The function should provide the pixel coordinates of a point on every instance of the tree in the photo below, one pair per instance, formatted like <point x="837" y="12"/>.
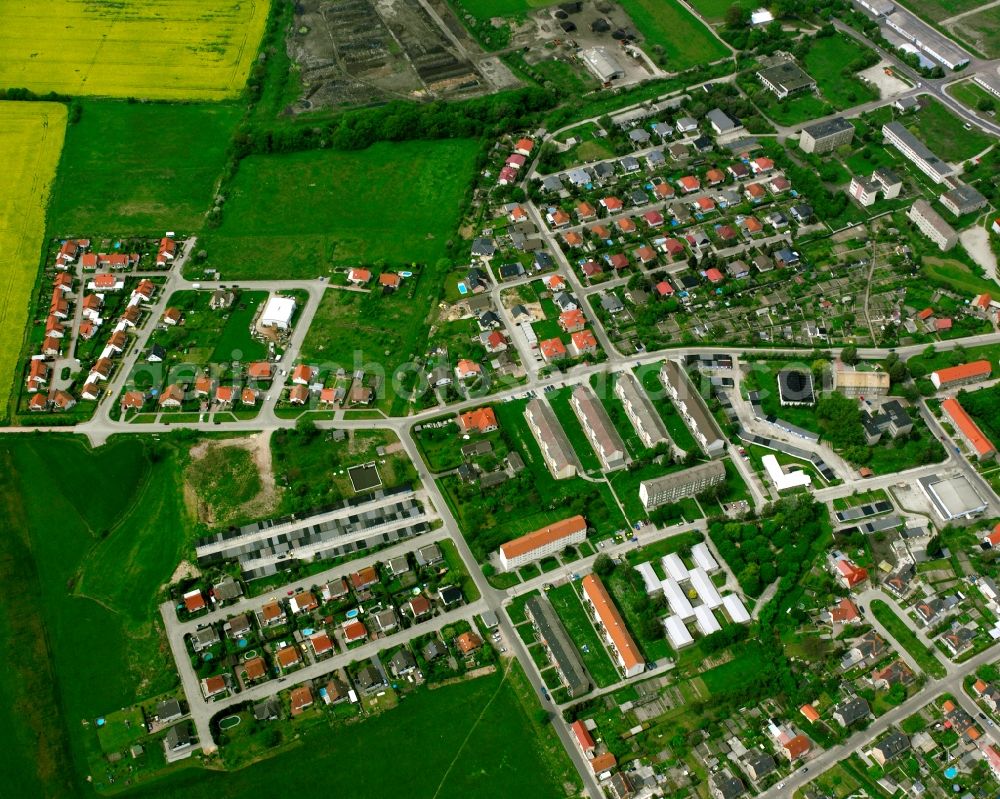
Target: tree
<point x="849" y="355"/>
<point x="736" y="16"/>
<point x="603" y="565"/>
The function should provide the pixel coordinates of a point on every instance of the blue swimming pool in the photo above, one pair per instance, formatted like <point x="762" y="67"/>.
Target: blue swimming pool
<point x="352" y="613"/>
<point x="951" y="772"/>
<point x="307" y="631"/>
<point x="463" y="289"/>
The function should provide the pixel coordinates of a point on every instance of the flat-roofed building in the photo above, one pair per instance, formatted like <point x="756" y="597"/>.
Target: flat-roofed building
<point x="678" y="485"/>
<point x="786" y="78"/>
<point x="853" y="382"/>
<point x="639" y="409"/>
<point x="964" y="373"/>
<point x="560" y="649"/>
<point x="917" y="152"/>
<point x="924" y="37"/>
<point x="963" y="199"/>
<point x="693" y="408"/>
<point x="611" y="626"/>
<point x="952" y="497"/>
<point x="546" y="541"/>
<point x="677" y="632"/>
<point x="932" y="225"/>
<point x="556" y="450"/>
<point x="968" y="430"/>
<point x="823" y="137"/>
<point x="598" y="428"/>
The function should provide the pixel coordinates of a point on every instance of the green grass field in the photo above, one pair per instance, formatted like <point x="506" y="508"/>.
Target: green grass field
<point x="375" y="332"/>
<point x="299" y="215"/>
<point x="971" y="94"/>
<point x="825" y="61"/>
<point x="955" y="275"/>
<point x="715" y="10"/>
<point x="475" y="733"/>
<point x="684" y="39"/>
<point x="82" y="570"/>
<point x="487" y="9"/>
<point x="944" y="133"/>
<point x="160" y="176"/>
<point x="982" y="31"/>
<point x="937" y="10"/>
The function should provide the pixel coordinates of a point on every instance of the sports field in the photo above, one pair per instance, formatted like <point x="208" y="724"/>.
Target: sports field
<point x="31" y="137"/>
<point x="686" y="41"/>
<point x="297" y="215"/>
<point x="158" y="177"/>
<point x="162" y="49"/>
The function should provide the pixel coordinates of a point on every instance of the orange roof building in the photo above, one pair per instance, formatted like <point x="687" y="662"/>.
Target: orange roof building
<point x="481" y="420"/>
<point x="809" y="712"/>
<point x="960" y="375"/>
<point x="288" y="656"/>
<point x="968" y="430"/>
<point x="468" y="642"/>
<point x="583" y="737"/>
<point x="301" y="698"/>
<point x="616" y="635"/>
<point x="603" y="762"/>
<point x="545" y="541"/>
<point x="797" y="747"/>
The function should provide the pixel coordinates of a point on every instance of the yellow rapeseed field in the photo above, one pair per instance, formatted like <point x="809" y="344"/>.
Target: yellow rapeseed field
<point x="156" y="49"/>
<point x="31" y="138"/>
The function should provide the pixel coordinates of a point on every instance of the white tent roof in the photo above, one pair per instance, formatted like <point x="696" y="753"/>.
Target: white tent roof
<point x="734" y="607"/>
<point x="706" y="590"/>
<point x="649" y="577"/>
<point x="703" y="557"/>
<point x="677" y="599"/>
<point x="677" y="632"/>
<point x="674" y="567"/>
<point x="707" y="622"/>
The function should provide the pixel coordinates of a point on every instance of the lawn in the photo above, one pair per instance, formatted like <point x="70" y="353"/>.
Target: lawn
<point x="982" y="31"/>
<point x="581" y="630"/>
<point x="971" y="94"/>
<point x="380" y="333"/>
<point x="715" y="10"/>
<point x="31" y="137"/>
<point x="484" y="732"/>
<point x="825" y="62"/>
<point x="683" y="38"/>
<point x="945" y="134"/>
<point x="224" y="480"/>
<point x="167" y="50"/>
<point x="487" y="9"/>
<point x="937" y="10"/>
<point x="570" y="423"/>
<point x="83" y="570"/>
<point x="312" y="467"/>
<point x="679" y="433"/>
<point x="159" y="177"/>
<point x="211" y="336"/>
<point x="735" y="675"/>
<point x="301" y="214"/>
<point x="955" y="275"/>
<point x="905" y="637"/>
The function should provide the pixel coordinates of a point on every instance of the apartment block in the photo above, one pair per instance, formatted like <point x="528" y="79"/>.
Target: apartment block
<point x="693" y="409"/>
<point x="598" y="428"/>
<point x="679" y="485"/>
<point x="916" y="151"/>
<point x="640" y="411"/>
<point x="556" y="450"/>
<point x="932" y="225"/>
<point x="824" y="137"/>
<point x="541" y="543"/>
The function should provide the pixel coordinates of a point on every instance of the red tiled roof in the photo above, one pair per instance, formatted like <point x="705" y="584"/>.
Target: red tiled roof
<point x="970" y="430"/>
